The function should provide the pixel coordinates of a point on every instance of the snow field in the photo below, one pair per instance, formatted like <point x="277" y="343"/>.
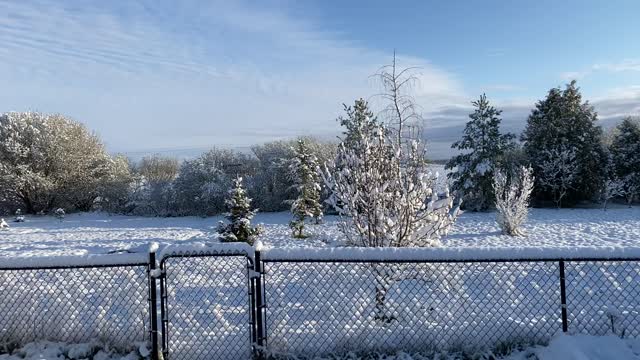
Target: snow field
<point x="322" y="308"/>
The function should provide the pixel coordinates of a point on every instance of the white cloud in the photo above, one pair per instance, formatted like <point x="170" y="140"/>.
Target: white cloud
<point x="625" y="65"/>
<point x="191" y="74"/>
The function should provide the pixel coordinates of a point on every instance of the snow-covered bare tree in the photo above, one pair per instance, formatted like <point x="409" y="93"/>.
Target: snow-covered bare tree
<point x="239" y="216"/>
<point x="155" y="193"/>
<point x="512" y="199"/>
<point x="625" y="156"/>
<point x="483" y="147"/>
<point x="401" y="112"/>
<point x="611" y="188"/>
<point x="558" y="172"/>
<point x="49" y="161"/>
<point x="304" y="172"/>
<point x="202" y="183"/>
<point x="385" y="195"/>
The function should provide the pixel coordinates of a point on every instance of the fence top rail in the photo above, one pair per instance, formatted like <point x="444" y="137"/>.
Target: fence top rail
<point x="213" y="249"/>
<point x="352" y="254"/>
<point x="73" y="261"/>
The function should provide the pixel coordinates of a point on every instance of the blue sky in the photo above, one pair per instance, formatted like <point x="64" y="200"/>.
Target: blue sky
<point x="180" y="77"/>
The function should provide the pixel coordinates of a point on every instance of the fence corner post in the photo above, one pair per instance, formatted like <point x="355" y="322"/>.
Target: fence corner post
<point x="153" y="306"/>
<point x="563" y="297"/>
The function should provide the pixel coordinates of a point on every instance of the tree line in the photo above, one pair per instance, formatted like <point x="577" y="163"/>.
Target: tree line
<point x="572" y="159"/>
<point x="50" y="161"/>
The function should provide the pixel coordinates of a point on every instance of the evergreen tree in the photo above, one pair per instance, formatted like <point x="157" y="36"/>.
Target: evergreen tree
<point x="562" y="121"/>
<point x="483" y="146"/>
<point x="625" y="156"/>
<point x="304" y="170"/>
<point x="239" y="216"/>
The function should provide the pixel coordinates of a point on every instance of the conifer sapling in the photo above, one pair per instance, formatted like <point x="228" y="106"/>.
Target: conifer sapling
<point x="304" y="171"/>
<point x="239" y="215"/>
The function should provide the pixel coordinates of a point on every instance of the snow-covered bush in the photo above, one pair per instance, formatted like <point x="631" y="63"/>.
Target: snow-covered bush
<point x="59" y="213"/>
<point x="19" y="217"/>
<point x="3" y="224"/>
<point x="384" y="194"/>
<point x="512" y="199"/>
<point x="483" y="147"/>
<point x="271" y="186"/>
<point x="153" y="192"/>
<point x="239" y="216"/>
<point x="304" y="172"/>
<point x="558" y="172"/>
<point x="611" y="188"/>
<point x="49" y="161"/>
<point x="202" y="183"/>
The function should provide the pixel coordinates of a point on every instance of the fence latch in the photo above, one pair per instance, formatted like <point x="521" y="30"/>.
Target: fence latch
<point x="156" y="273"/>
<point x="254" y="274"/>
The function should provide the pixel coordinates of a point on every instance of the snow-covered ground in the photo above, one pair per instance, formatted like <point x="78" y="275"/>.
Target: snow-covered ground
<point x="88" y="233"/>
<point x="562" y="347"/>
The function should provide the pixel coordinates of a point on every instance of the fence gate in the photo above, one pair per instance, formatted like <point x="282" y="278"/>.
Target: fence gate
<point x="206" y="304"/>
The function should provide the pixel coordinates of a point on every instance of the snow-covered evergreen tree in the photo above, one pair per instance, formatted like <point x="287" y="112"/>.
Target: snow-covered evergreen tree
<point x="385" y="196"/>
<point x="482" y="146"/>
<point x="558" y="170"/>
<point x="304" y="171"/>
<point x="239" y="216"/>
<point x="562" y="119"/>
<point x="512" y="199"/>
<point x="625" y="157"/>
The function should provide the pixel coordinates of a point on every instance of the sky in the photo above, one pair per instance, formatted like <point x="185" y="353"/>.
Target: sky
<point x="179" y="77"/>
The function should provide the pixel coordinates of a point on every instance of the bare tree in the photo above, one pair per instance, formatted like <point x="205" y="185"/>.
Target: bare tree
<point x="401" y="112"/>
<point x="512" y="199"/>
<point x="611" y="188"/>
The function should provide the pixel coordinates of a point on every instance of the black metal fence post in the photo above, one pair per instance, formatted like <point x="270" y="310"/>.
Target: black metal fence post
<point x="153" y="306"/>
<point x="261" y="340"/>
<point x="563" y="297"/>
<point x="163" y="310"/>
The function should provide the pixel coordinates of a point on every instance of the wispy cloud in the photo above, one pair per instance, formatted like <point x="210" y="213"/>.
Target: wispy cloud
<point x="625" y="65"/>
<point x="146" y="74"/>
<point x="152" y="74"/>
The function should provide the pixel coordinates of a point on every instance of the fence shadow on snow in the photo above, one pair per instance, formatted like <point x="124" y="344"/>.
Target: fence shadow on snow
<point x="233" y="301"/>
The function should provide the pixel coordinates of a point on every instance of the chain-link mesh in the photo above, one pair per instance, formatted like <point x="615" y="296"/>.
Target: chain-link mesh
<point x="318" y="308"/>
<point x="603" y="297"/>
<point x="208" y="313"/>
<point x="74" y="305"/>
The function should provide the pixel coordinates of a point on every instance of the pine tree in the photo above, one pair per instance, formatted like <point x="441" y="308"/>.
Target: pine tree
<point x="563" y="121"/>
<point x="483" y="147"/>
<point x="239" y="228"/>
<point x="625" y="156"/>
<point x="304" y="171"/>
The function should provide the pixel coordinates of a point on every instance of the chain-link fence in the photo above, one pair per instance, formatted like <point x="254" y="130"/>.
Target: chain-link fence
<point x="207" y="307"/>
<point x="231" y="303"/>
<point x="320" y="307"/>
<point x="75" y="304"/>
